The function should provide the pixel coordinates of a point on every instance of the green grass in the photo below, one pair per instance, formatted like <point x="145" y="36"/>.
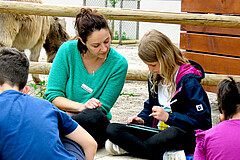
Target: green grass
<point x="41" y="88"/>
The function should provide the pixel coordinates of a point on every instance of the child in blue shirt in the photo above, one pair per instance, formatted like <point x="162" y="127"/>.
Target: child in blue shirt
<point x="30" y="128"/>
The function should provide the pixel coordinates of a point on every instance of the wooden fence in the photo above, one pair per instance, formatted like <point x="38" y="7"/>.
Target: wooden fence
<point x="123" y="14"/>
<point x="132" y="74"/>
<point x="217" y="49"/>
<point x="207" y="20"/>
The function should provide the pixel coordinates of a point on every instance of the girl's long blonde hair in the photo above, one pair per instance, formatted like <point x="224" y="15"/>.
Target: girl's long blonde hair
<point x="155" y="46"/>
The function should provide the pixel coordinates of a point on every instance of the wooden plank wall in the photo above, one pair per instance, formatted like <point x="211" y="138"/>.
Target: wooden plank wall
<point x="216" y="49"/>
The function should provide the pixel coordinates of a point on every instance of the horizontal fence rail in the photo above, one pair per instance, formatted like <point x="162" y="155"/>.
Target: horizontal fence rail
<point x="123" y="14"/>
<point x="127" y="15"/>
<point x="132" y="74"/>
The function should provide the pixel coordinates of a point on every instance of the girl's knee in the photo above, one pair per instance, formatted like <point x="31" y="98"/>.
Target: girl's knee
<point x="91" y="116"/>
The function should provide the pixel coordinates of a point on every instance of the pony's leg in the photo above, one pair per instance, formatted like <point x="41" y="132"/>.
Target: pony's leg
<point x="35" y="53"/>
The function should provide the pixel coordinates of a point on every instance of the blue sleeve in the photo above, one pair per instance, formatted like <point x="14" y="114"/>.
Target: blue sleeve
<point x="66" y="124"/>
<point x="144" y="114"/>
<point x="194" y="111"/>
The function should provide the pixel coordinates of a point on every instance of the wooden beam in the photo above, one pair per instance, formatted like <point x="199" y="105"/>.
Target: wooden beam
<point x="123" y="14"/>
<point x="39" y="67"/>
<point x="217" y="44"/>
<point x="215" y="30"/>
<point x="211" y="6"/>
<point x="137" y="75"/>
<point x="132" y="74"/>
<point x="125" y="42"/>
<point x="217" y="64"/>
<point x="214" y="79"/>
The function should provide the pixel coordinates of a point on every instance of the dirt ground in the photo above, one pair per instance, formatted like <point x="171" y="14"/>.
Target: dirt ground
<point x="134" y="93"/>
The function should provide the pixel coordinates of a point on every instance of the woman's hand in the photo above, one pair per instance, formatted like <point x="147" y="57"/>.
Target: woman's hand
<point x="159" y="113"/>
<point x="92" y="104"/>
<point x="136" y="120"/>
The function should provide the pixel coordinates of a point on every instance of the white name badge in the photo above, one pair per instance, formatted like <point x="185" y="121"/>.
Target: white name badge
<point x="86" y="88"/>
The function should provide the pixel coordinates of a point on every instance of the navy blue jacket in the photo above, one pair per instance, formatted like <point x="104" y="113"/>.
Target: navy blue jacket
<point x="191" y="109"/>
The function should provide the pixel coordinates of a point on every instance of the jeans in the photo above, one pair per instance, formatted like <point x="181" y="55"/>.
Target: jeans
<point x="73" y="148"/>
<point x="145" y="144"/>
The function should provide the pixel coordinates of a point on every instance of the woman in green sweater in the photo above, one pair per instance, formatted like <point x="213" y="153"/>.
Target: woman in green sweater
<point x="87" y="75"/>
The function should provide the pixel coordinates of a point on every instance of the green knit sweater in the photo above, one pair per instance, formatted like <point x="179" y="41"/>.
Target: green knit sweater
<point x="68" y="74"/>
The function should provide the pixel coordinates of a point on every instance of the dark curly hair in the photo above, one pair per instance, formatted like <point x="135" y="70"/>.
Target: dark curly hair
<point x="88" y="21"/>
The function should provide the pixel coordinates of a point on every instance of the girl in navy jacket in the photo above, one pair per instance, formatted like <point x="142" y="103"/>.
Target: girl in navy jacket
<point x="177" y="103"/>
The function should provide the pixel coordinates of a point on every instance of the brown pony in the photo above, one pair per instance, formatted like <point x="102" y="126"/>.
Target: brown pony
<point x="32" y="32"/>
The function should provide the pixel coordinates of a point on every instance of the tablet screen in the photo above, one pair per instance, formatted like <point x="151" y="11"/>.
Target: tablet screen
<point x="142" y="127"/>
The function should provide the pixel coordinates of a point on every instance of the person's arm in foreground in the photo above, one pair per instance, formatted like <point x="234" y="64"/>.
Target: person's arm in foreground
<point x="85" y="140"/>
<point x="75" y="107"/>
